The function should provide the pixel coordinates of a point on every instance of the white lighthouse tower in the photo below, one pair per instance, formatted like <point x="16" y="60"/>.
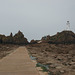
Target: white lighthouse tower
<point x="67" y="26"/>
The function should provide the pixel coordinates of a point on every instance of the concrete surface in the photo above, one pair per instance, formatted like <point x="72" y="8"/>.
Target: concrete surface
<point x="18" y="63"/>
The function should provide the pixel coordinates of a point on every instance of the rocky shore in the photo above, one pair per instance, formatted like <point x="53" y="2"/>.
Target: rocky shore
<point x="60" y="58"/>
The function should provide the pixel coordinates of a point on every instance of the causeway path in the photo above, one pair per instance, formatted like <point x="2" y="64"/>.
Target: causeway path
<point x="18" y="63"/>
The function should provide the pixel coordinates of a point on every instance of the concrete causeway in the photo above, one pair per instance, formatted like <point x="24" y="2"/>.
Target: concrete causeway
<point x="18" y="63"/>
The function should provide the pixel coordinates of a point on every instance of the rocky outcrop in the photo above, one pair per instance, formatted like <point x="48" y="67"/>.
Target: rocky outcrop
<point x="18" y="38"/>
<point x="64" y="37"/>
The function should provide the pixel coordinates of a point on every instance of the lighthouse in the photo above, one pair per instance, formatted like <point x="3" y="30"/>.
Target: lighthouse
<point x="68" y="26"/>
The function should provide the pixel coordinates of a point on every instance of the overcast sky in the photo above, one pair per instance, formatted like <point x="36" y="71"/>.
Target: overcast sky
<point x="36" y="18"/>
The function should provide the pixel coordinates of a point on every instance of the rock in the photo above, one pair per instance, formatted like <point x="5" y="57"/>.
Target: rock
<point x="52" y="66"/>
<point x="72" y="63"/>
<point x="73" y="67"/>
<point x="62" y="71"/>
<point x="7" y="47"/>
<point x="58" y="67"/>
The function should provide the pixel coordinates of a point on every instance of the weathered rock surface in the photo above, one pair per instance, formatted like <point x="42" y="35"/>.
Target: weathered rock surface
<point x="60" y="58"/>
